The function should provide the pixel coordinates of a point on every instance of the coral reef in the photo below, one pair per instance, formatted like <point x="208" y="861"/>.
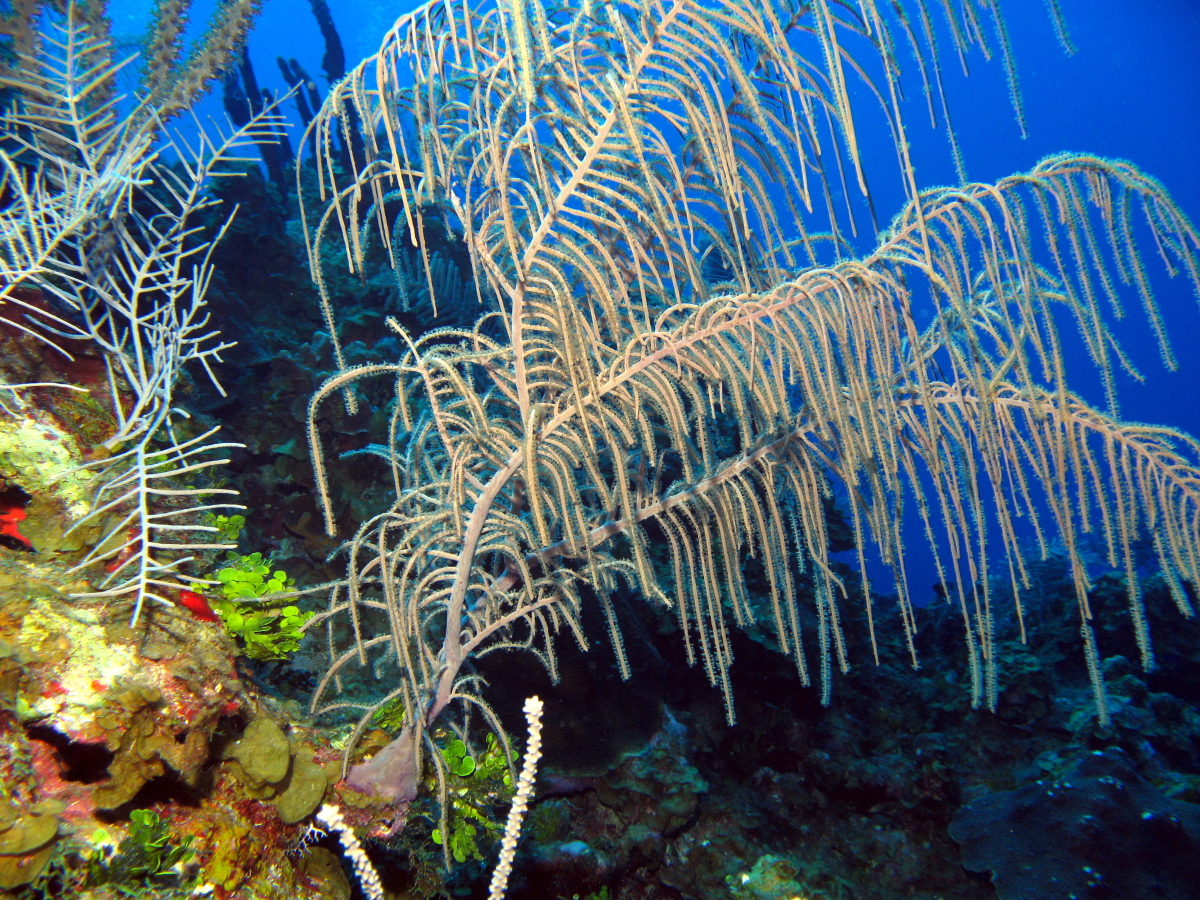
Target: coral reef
<point x="1097" y="830"/>
<point x="175" y="758"/>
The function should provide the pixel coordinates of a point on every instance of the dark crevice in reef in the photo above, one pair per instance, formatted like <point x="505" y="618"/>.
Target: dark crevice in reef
<point x="82" y="762"/>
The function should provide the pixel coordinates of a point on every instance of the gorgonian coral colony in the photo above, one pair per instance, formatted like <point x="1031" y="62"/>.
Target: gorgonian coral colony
<point x="100" y="247"/>
<point x="601" y="161"/>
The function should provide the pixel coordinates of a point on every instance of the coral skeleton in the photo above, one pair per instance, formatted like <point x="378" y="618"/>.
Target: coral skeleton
<point x="331" y="817"/>
<point x="520" y="804"/>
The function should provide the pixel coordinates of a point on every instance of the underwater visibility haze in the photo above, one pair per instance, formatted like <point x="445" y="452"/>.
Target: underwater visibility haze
<point x="649" y="449"/>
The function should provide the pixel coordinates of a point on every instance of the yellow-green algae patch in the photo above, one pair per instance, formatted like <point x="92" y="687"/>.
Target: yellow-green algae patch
<point x="37" y="454"/>
<point x="94" y="662"/>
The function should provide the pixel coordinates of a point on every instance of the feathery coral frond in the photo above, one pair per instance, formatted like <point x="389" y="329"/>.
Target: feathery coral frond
<point x="103" y="228"/>
<point x="594" y="157"/>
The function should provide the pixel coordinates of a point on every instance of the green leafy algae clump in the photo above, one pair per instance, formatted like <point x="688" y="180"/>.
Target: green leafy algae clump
<point x="475" y="786"/>
<point x="771" y="878"/>
<point x="390" y="716"/>
<point x="265" y="633"/>
<point x="147" y="857"/>
<point x="229" y="528"/>
<point x="249" y="577"/>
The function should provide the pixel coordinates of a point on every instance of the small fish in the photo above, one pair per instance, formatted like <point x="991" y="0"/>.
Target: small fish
<point x="197" y="606"/>
<point x="8" y="524"/>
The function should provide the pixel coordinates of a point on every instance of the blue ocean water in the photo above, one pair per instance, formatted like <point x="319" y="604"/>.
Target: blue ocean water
<point x="1131" y="91"/>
